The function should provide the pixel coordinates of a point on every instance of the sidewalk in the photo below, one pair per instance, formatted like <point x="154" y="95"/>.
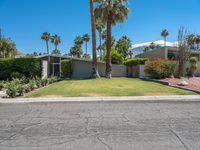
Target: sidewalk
<point x="188" y="98"/>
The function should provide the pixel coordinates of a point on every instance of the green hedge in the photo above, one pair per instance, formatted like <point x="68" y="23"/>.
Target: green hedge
<point x="135" y="61"/>
<point x="66" y="68"/>
<point x="29" y="67"/>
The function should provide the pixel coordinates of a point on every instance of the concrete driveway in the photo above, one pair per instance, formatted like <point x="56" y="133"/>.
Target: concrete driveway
<point x="100" y="126"/>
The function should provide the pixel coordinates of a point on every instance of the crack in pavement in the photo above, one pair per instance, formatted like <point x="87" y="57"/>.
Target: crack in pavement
<point x="179" y="138"/>
<point x="105" y="144"/>
<point x="23" y="129"/>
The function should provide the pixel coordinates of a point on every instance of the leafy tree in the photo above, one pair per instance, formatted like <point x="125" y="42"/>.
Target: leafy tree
<point x="7" y="48"/>
<point x="152" y="46"/>
<point x="35" y="54"/>
<point x="111" y="12"/>
<point x="46" y="37"/>
<point x="116" y="57"/>
<point x="165" y="34"/>
<point x="86" y="39"/>
<point x="56" y="40"/>
<point x="146" y="49"/>
<point x="191" y="39"/>
<point x="123" y="45"/>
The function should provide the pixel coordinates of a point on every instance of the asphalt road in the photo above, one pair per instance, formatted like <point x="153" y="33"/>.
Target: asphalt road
<point x="100" y="126"/>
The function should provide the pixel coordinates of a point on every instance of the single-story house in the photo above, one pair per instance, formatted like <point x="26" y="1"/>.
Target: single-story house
<point x="170" y="53"/>
<point x="81" y="68"/>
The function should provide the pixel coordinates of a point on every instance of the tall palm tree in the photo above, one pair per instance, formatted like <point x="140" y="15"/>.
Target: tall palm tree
<point x="111" y="12"/>
<point x="56" y="40"/>
<point x="86" y="39"/>
<point x="95" y="73"/>
<point x="100" y="26"/>
<point x="46" y="37"/>
<point x="78" y="41"/>
<point x="165" y="34"/>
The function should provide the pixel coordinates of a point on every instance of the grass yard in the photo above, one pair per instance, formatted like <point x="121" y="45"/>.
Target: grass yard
<point x="107" y="87"/>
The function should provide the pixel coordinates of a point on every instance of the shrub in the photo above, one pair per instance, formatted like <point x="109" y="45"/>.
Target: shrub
<point x="193" y="65"/>
<point x="52" y="79"/>
<point x="14" y="88"/>
<point x="66" y="67"/>
<point x="160" y="68"/>
<point x="135" y="61"/>
<point x="32" y="84"/>
<point x="44" y="82"/>
<point x="27" y="88"/>
<point x="29" y="67"/>
<point x="2" y="85"/>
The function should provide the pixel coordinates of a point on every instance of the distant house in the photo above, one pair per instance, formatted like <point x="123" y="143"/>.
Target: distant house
<point x="20" y="55"/>
<point x="169" y="53"/>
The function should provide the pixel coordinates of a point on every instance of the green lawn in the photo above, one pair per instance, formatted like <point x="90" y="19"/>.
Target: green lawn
<point x="107" y="87"/>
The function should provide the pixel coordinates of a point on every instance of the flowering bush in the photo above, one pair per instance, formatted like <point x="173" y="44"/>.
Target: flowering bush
<point x="160" y="68"/>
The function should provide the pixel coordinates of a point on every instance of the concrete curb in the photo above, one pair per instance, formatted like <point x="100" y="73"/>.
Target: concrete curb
<point x="138" y="99"/>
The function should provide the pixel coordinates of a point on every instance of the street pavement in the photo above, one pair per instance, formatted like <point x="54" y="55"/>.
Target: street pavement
<point x="100" y="126"/>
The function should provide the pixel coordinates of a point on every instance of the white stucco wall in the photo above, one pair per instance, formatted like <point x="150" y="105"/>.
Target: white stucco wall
<point x="83" y="69"/>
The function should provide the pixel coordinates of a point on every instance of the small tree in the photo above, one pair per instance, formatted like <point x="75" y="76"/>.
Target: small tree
<point x="184" y="50"/>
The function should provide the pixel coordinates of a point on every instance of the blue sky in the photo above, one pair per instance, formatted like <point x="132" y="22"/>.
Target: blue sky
<point x="24" y="20"/>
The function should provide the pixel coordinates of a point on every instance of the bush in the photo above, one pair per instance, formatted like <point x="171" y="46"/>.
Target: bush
<point x="52" y="79"/>
<point x="29" y="67"/>
<point x="15" y="88"/>
<point x="2" y="85"/>
<point x="116" y="58"/>
<point x="135" y="61"/>
<point x="32" y="84"/>
<point x="66" y="67"/>
<point x="44" y="82"/>
<point x="18" y="87"/>
<point x="193" y="65"/>
<point x="160" y="68"/>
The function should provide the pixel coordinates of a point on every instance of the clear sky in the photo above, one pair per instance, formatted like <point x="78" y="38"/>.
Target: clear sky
<point x="24" y="20"/>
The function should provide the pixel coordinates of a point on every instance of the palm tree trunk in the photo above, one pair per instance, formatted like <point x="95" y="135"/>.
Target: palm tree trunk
<point x="100" y="41"/>
<point x="95" y="73"/>
<point x="109" y="45"/>
<point x="165" y="41"/>
<point x="47" y="47"/>
<point x="56" y="46"/>
<point x="86" y="47"/>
